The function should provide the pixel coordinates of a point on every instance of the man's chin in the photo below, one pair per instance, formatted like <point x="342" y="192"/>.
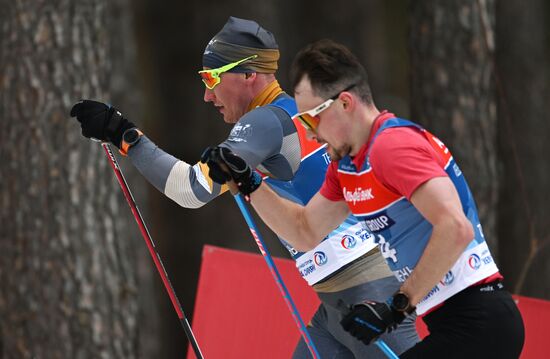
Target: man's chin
<point x="337" y="154"/>
<point x="230" y="120"/>
<point x="227" y="118"/>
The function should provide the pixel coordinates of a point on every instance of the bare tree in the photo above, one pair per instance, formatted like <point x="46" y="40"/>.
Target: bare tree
<point x="451" y="48"/>
<point x="523" y="74"/>
<point x="67" y="282"/>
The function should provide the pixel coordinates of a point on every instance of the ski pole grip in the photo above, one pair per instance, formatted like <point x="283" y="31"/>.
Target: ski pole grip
<point x="233" y="188"/>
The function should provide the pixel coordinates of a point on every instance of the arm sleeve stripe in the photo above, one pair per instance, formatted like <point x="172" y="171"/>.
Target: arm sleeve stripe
<point x="190" y="187"/>
<point x="178" y="187"/>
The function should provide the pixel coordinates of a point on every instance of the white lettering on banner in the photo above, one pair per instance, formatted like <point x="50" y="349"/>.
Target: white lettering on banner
<point x="403" y="273"/>
<point x="326" y="157"/>
<point x="358" y="195"/>
<point x="377" y="224"/>
<point x="387" y="252"/>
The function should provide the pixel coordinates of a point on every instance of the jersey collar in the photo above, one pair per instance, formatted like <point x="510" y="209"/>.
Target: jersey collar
<point x="266" y="96"/>
<point x="359" y="158"/>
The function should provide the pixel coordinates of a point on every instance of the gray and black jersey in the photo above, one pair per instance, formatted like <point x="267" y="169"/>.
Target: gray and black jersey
<point x="269" y="140"/>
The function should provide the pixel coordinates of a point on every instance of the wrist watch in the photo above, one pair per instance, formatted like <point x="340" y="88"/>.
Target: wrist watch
<point x="401" y="303"/>
<point x="129" y="138"/>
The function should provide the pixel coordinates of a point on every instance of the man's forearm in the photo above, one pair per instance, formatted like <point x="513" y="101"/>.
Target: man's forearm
<point x="187" y="185"/>
<point x="287" y="219"/>
<point x="445" y="246"/>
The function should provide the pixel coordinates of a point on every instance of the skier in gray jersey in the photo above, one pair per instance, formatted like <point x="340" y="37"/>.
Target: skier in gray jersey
<point x="239" y="64"/>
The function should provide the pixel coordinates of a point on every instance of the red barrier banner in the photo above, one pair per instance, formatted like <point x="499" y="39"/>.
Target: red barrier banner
<point x="239" y="312"/>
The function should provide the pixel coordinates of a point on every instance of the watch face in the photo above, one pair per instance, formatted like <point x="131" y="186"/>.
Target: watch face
<point x="131" y="136"/>
<point x="400" y="301"/>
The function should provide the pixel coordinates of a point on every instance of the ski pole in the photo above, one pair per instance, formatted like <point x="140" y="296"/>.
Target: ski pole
<point x="386" y="349"/>
<point x="152" y="250"/>
<point x="275" y="273"/>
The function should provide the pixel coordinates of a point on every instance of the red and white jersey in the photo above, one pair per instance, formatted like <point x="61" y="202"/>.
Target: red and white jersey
<point x="384" y="208"/>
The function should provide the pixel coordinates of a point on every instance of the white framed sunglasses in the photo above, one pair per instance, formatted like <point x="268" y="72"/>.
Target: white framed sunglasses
<point x="310" y="119"/>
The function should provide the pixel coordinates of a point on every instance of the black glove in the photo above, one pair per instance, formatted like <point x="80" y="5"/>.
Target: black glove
<point x="100" y="121"/>
<point x="224" y="165"/>
<point x="368" y="320"/>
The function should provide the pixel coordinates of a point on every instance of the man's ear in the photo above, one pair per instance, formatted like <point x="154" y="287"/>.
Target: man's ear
<point x="249" y="75"/>
<point x="347" y="100"/>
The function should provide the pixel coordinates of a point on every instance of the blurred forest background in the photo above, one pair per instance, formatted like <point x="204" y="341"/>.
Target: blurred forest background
<point x="76" y="280"/>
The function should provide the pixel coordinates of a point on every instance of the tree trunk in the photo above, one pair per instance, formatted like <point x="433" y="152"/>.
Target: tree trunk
<point x="451" y="47"/>
<point x="523" y="74"/>
<point x="67" y="270"/>
<point x="375" y="31"/>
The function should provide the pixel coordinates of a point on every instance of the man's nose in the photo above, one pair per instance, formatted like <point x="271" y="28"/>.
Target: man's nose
<point x="310" y="135"/>
<point x="208" y="95"/>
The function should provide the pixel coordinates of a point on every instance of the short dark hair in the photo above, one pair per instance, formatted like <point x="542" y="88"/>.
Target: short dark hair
<point x="330" y="67"/>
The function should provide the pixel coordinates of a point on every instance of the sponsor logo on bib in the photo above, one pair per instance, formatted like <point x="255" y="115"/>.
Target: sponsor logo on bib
<point x="348" y="241"/>
<point x="320" y="258"/>
<point x="474" y="262"/>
